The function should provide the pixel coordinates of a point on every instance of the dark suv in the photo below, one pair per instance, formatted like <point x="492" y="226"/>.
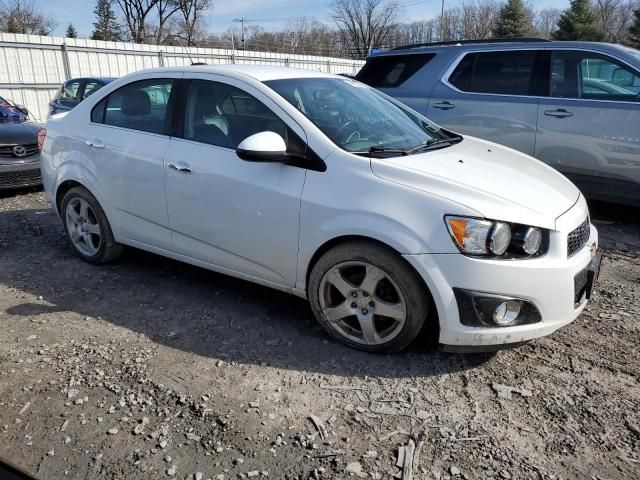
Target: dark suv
<point x="573" y="105"/>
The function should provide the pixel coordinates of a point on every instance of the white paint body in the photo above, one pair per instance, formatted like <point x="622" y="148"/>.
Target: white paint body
<point x="263" y="222"/>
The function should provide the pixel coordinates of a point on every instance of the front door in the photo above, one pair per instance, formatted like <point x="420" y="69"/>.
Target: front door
<point x="238" y="215"/>
<point x="589" y="127"/>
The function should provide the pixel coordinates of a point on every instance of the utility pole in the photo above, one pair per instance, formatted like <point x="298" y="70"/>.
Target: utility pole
<point x="442" y="22"/>
<point x="241" y="20"/>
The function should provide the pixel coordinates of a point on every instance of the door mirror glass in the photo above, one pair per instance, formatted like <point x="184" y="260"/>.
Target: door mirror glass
<point x="263" y="147"/>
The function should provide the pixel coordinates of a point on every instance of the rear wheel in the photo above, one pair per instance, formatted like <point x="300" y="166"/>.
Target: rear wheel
<point x="87" y="227"/>
<point x="367" y="297"/>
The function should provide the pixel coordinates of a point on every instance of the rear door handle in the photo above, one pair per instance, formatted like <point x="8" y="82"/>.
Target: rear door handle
<point x="559" y="113"/>
<point x="180" y="167"/>
<point x="94" y="143"/>
<point x="444" y="105"/>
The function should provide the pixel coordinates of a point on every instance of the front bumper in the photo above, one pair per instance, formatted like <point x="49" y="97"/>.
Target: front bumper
<point x="548" y="282"/>
<point x="23" y="173"/>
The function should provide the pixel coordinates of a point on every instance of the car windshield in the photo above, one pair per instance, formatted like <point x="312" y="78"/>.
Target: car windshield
<point x="358" y="118"/>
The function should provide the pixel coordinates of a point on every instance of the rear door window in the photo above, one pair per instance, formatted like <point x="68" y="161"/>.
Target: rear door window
<point x="503" y="73"/>
<point x="592" y="76"/>
<point x="393" y="70"/>
<point x="138" y="106"/>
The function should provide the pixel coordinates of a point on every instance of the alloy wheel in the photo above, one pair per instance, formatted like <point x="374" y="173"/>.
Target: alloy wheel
<point x="362" y="303"/>
<point x="83" y="227"/>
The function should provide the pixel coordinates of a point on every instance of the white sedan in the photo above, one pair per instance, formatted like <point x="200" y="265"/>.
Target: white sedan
<point x="320" y="186"/>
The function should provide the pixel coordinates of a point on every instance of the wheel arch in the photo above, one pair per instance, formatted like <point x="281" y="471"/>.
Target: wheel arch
<point x="62" y="189"/>
<point x="433" y="319"/>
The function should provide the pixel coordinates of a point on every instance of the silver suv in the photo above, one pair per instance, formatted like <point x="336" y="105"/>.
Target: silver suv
<point x="573" y="105"/>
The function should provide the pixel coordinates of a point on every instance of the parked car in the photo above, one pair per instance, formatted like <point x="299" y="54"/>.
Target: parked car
<point x="19" y="155"/>
<point x="73" y="91"/>
<point x="573" y="105"/>
<point x="323" y="187"/>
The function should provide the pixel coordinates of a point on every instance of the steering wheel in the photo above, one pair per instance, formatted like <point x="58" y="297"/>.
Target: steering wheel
<point x="347" y="131"/>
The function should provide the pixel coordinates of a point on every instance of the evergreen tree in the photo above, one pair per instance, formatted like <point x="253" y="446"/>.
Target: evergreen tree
<point x="513" y="21"/>
<point x="634" y="31"/>
<point x="106" y="26"/>
<point x="578" y="22"/>
<point x="71" y="31"/>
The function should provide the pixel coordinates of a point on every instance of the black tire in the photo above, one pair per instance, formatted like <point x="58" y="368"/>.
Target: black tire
<point x="108" y="249"/>
<point x="417" y="297"/>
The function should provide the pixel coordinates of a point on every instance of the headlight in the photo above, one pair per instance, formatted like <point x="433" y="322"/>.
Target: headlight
<point x="475" y="236"/>
<point x="500" y="238"/>
<point x="470" y="234"/>
<point x="532" y="240"/>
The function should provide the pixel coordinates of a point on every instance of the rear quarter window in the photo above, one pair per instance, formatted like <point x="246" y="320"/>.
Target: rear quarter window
<point x="393" y="70"/>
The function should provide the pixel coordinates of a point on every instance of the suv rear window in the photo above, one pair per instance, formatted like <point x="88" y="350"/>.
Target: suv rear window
<point x="505" y="73"/>
<point x="392" y="70"/>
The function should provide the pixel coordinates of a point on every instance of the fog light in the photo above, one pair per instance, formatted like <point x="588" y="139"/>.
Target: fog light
<point x="507" y="312"/>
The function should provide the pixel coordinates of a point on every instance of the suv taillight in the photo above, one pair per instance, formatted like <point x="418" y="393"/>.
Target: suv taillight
<point x="42" y="134"/>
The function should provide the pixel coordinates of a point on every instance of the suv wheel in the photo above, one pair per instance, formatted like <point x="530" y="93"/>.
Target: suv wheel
<point x="87" y="227"/>
<point x="368" y="298"/>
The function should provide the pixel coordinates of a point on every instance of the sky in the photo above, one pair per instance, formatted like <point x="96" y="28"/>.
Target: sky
<point x="268" y="14"/>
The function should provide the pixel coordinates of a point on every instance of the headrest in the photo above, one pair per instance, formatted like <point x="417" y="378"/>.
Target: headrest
<point x="136" y="102"/>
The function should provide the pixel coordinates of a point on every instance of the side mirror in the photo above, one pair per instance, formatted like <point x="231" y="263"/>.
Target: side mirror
<point x="263" y="147"/>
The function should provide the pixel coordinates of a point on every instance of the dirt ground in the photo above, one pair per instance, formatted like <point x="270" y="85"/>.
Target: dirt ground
<point x="149" y="368"/>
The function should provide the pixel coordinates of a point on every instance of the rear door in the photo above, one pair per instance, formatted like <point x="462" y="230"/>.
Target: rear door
<point x="129" y="136"/>
<point x="589" y="127"/>
<point x="238" y="215"/>
<point x="491" y="95"/>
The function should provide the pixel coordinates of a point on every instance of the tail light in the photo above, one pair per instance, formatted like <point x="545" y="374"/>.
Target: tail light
<point x="42" y="135"/>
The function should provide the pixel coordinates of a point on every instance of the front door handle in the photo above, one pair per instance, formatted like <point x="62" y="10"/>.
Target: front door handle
<point x="94" y="143"/>
<point x="559" y="113"/>
<point x="180" y="167"/>
<point x="444" y="105"/>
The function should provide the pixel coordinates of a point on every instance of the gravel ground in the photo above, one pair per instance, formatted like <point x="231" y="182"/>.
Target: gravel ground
<point x="149" y="368"/>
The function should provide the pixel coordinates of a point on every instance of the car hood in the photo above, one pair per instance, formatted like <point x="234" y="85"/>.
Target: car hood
<point x="22" y="133"/>
<point x="497" y="182"/>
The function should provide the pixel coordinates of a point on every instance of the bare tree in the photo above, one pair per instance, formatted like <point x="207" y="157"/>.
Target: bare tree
<point x="190" y="24"/>
<point x="135" y="14"/>
<point x="478" y="18"/>
<point x="21" y="16"/>
<point x="164" y="10"/>
<point x="364" y="24"/>
<point x="615" y="17"/>
<point x="545" y="21"/>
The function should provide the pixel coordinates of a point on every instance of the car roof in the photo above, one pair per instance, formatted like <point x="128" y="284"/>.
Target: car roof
<point x="262" y="73"/>
<point x="502" y="44"/>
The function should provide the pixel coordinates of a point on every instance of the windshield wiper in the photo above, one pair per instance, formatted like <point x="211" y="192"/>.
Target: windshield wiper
<point x="382" y="149"/>
<point x="433" y="144"/>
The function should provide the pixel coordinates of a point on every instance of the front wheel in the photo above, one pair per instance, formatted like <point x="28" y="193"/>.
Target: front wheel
<point x="87" y="227"/>
<point x="368" y="298"/>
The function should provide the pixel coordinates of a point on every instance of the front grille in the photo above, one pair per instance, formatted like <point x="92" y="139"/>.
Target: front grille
<point x="24" y="152"/>
<point x="578" y="237"/>
<point x="20" y="178"/>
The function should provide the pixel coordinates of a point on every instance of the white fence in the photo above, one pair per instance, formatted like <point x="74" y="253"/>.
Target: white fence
<point x="33" y="67"/>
